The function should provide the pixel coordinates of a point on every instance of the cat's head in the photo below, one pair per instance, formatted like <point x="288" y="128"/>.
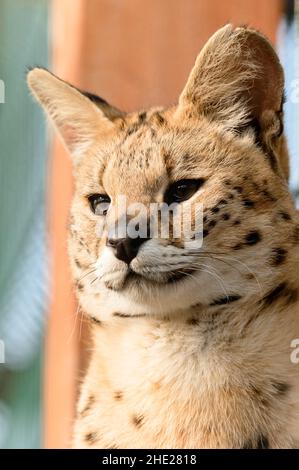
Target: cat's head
<point x="219" y="154"/>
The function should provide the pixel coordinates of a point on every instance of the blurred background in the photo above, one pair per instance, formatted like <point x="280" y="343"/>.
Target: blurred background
<point x="134" y="53"/>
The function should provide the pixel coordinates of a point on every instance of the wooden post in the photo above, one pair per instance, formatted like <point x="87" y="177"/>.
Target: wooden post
<point x="134" y="53"/>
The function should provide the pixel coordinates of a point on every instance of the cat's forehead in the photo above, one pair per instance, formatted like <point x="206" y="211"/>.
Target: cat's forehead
<point x="146" y="152"/>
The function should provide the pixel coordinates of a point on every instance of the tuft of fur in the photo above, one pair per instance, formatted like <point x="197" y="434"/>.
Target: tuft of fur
<point x="194" y="350"/>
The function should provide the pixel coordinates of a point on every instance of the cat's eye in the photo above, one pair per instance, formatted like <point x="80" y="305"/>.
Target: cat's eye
<point x="99" y="203"/>
<point x="182" y="190"/>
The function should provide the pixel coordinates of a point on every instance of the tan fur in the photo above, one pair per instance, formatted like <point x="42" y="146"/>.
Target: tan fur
<point x="203" y="362"/>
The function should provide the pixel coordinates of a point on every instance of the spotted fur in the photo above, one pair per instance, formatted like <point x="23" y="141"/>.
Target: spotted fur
<point x="193" y="351"/>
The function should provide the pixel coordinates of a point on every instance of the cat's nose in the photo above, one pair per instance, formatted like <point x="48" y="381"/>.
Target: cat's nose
<point x="125" y="249"/>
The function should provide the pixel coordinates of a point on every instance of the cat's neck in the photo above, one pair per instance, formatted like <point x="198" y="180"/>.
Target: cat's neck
<point x="227" y="336"/>
<point x="201" y="378"/>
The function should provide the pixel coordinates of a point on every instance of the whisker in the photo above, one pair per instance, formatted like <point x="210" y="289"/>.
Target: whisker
<point x="74" y="325"/>
<point x="87" y="274"/>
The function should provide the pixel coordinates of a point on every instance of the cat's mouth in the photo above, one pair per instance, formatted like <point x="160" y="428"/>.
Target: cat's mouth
<point x="166" y="278"/>
<point x="135" y="279"/>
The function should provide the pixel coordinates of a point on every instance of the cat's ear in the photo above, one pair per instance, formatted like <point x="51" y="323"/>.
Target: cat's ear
<point x="79" y="117"/>
<point x="237" y="79"/>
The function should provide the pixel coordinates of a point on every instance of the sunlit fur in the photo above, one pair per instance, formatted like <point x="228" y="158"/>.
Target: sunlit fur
<point x="203" y="361"/>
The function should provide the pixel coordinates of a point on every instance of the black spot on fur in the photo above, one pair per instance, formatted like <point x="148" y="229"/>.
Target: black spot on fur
<point x="219" y="205"/>
<point x="259" y="396"/>
<point x="192" y="321"/>
<point x="222" y="202"/>
<point x="142" y="117"/>
<point x="160" y="119"/>
<point x="118" y="395"/>
<point x="153" y="132"/>
<point x="260" y="442"/>
<point x="95" y="321"/>
<point x="248" y="203"/>
<point x="239" y="189"/>
<point x="132" y="129"/>
<point x="296" y="234"/>
<point x="226" y="300"/>
<point x="269" y="196"/>
<point x="125" y="315"/>
<point x="91" y="437"/>
<point x="88" y="405"/>
<point x="205" y="233"/>
<point x="278" y="256"/>
<point x="138" y="420"/>
<point x="281" y="292"/>
<point x="226" y="216"/>
<point x="285" y="216"/>
<point x="237" y="247"/>
<point x="212" y="223"/>
<point x="253" y="237"/>
<point x="237" y="222"/>
<point x="281" y="388"/>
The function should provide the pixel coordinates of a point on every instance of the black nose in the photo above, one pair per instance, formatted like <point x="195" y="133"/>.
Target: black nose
<point x="125" y="249"/>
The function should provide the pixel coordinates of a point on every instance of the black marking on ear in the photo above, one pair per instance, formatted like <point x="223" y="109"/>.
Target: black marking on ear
<point x="281" y="292"/>
<point x="95" y="98"/>
<point x="268" y="152"/>
<point x="278" y="256"/>
<point x="226" y="300"/>
<point x="138" y="420"/>
<point x="272" y="158"/>
<point x="253" y="237"/>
